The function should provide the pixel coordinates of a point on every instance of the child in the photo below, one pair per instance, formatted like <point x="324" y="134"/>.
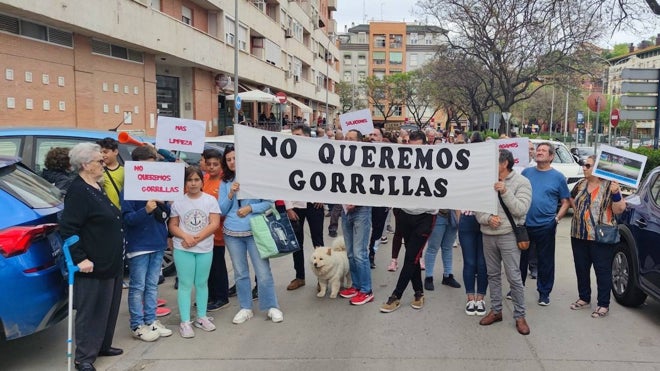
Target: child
<point x="193" y="221"/>
<point x="146" y="240"/>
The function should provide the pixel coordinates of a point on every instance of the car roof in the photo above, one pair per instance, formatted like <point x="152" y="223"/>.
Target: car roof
<point x="68" y="132"/>
<point x="221" y="138"/>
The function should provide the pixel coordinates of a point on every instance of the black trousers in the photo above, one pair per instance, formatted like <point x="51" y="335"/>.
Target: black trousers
<point x="416" y="231"/>
<point x="378" y="218"/>
<point x="218" y="279"/>
<point x="97" y="304"/>
<point x="314" y="217"/>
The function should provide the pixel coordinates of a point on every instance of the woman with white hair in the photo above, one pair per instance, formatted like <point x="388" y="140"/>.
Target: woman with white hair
<point x="90" y="214"/>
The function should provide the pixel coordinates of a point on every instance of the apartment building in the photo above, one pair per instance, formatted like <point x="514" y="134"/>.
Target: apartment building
<point x="384" y="48"/>
<point x="103" y="64"/>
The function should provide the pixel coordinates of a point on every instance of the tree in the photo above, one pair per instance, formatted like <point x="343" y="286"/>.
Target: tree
<point x="386" y="95"/>
<point x="517" y="42"/>
<point x="421" y="95"/>
<point x="349" y="96"/>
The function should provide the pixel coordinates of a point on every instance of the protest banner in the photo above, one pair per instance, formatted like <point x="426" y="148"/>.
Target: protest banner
<point x="146" y="180"/>
<point x="622" y="166"/>
<point x="178" y="134"/>
<point x="519" y="148"/>
<point x="357" y="120"/>
<point x="283" y="167"/>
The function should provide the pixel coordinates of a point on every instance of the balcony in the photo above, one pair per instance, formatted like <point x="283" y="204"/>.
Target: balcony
<point x="332" y="5"/>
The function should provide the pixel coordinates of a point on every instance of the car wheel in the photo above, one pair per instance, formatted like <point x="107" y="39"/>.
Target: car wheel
<point x="624" y="281"/>
<point x="168" y="263"/>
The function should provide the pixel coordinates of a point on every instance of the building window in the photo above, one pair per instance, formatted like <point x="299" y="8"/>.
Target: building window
<point x="413" y="60"/>
<point x="155" y="4"/>
<point x="396" y="58"/>
<point x="379" y="41"/>
<point x="35" y="31"/>
<point x="413" y="38"/>
<point x="362" y="60"/>
<point x="347" y="59"/>
<point x="348" y="76"/>
<point x="362" y="38"/>
<point x="242" y="37"/>
<point x="116" y="51"/>
<point x="396" y="111"/>
<point x="378" y="57"/>
<point x="428" y="39"/>
<point x="362" y="75"/>
<point x="186" y="15"/>
<point x="396" y="41"/>
<point x="379" y="74"/>
<point x="229" y="31"/>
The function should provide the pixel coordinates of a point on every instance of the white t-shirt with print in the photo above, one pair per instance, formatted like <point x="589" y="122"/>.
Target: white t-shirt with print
<point x="193" y="217"/>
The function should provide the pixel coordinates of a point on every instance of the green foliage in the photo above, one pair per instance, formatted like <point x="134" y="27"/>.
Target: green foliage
<point x="652" y="155"/>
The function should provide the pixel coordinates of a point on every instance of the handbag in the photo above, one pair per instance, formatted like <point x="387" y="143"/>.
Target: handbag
<point x="604" y="233"/>
<point x="522" y="238"/>
<point x="273" y="234"/>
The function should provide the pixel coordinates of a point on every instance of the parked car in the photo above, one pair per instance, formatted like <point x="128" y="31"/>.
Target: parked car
<point x="636" y="264"/>
<point x="581" y="153"/>
<point x="564" y="162"/>
<point x="221" y="141"/>
<point x="621" y="142"/>
<point x="34" y="290"/>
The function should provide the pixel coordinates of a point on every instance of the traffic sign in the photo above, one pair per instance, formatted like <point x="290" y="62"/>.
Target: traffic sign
<point x="642" y="115"/>
<point x="237" y="102"/>
<point x="281" y="97"/>
<point x="614" y="117"/>
<point x="639" y="87"/>
<point x="639" y="101"/>
<point x="640" y="74"/>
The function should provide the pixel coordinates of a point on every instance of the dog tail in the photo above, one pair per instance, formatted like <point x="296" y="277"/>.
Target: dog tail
<point x="338" y="244"/>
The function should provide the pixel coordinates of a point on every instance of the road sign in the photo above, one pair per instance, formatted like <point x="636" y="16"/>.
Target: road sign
<point x="281" y="97"/>
<point x="639" y="87"/>
<point x="640" y="74"/>
<point x="639" y="101"/>
<point x="596" y="102"/>
<point x="642" y="115"/>
<point x="614" y="117"/>
<point x="237" y="102"/>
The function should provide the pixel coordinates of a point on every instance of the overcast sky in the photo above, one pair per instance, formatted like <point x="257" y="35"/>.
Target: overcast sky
<point x="361" y="11"/>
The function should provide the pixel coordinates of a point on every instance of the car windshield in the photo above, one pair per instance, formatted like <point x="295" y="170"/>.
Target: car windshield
<point x="562" y="155"/>
<point x="28" y="187"/>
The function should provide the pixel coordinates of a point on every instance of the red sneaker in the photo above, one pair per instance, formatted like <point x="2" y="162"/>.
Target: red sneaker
<point x="162" y="311"/>
<point x="161" y="302"/>
<point x="362" y="298"/>
<point x="348" y="293"/>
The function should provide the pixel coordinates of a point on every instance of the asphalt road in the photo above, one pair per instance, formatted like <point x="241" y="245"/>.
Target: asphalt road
<point x="329" y="334"/>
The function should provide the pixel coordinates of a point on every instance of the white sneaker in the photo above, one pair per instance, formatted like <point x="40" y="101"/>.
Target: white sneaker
<point x="242" y="316"/>
<point x="186" y="331"/>
<point x="275" y="315"/>
<point x="204" y="323"/>
<point x="145" y="333"/>
<point x="162" y="330"/>
<point x="471" y="308"/>
<point x="481" y="308"/>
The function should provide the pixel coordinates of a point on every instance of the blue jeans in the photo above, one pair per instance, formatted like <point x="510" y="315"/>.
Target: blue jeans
<point x="144" y="271"/>
<point x="474" y="263"/>
<point x="442" y="237"/>
<point x="356" y="226"/>
<point x="544" y="238"/>
<point x="585" y="254"/>
<point x="239" y="249"/>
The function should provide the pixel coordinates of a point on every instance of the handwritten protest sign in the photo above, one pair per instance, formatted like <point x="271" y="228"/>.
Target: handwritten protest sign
<point x="519" y="148"/>
<point x="283" y="167"/>
<point x="622" y="166"/>
<point x="145" y="180"/>
<point x="357" y="120"/>
<point x="178" y="134"/>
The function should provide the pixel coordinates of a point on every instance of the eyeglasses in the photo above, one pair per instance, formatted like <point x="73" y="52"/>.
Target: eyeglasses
<point x="586" y="166"/>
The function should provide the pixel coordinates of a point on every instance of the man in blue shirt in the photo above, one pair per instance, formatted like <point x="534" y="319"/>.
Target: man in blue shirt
<point x="548" y="189"/>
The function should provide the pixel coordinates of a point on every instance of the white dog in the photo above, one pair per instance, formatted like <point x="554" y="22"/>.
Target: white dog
<point x="330" y="265"/>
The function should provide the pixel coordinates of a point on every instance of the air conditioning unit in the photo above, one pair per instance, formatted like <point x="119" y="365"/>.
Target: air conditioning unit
<point x="288" y="33"/>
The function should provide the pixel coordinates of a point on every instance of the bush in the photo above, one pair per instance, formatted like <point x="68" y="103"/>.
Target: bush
<point x="652" y="155"/>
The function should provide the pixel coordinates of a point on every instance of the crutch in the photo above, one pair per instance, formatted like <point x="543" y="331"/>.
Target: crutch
<point x="72" y="269"/>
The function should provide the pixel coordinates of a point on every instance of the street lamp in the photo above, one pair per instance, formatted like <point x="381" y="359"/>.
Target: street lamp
<point x="331" y="37"/>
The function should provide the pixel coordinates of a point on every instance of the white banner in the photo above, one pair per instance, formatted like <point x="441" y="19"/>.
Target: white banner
<point x="178" y="134"/>
<point x="357" y="120"/>
<point x="146" y="180"/>
<point x="283" y="167"/>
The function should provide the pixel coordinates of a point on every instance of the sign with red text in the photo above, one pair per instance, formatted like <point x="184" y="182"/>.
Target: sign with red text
<point x="177" y="134"/>
<point x="357" y="120"/>
<point x="146" y="180"/>
<point x="519" y="147"/>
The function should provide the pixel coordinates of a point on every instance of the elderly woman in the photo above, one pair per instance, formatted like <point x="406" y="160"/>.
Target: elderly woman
<point x="594" y="201"/>
<point x="89" y="214"/>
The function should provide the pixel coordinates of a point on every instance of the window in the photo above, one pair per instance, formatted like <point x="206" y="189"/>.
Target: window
<point x="379" y="74"/>
<point x="186" y="15"/>
<point x="396" y="41"/>
<point x="428" y="39"/>
<point x="155" y="4"/>
<point x="347" y="59"/>
<point x="379" y="57"/>
<point x="396" y="58"/>
<point x="362" y="38"/>
<point x="396" y="111"/>
<point x="10" y="146"/>
<point x="242" y="37"/>
<point x="229" y="31"/>
<point x="348" y="76"/>
<point x="362" y="60"/>
<point x="362" y="75"/>
<point x="413" y="60"/>
<point x="35" y="31"/>
<point x="111" y="50"/>
<point x="260" y="4"/>
<point x="379" y="41"/>
<point x="413" y="38"/>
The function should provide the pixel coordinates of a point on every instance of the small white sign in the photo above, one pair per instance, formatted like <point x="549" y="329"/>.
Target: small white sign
<point x="145" y="180"/>
<point x="178" y="134"/>
<point x="357" y="120"/>
<point x="519" y="147"/>
<point x="618" y="165"/>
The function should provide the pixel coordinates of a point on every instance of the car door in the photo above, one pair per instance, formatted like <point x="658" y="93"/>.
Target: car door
<point x="646" y="221"/>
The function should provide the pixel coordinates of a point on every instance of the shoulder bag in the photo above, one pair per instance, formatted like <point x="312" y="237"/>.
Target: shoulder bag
<point x="604" y="233"/>
<point x="522" y="238"/>
<point x="273" y="234"/>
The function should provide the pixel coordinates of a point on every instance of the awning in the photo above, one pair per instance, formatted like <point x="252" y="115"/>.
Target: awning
<point x="255" y="96"/>
<point x="303" y="107"/>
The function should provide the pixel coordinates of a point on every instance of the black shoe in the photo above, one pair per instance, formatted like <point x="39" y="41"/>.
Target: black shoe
<point x="232" y="291"/>
<point x="372" y="263"/>
<point x="217" y="305"/>
<point x="176" y="283"/>
<point x="85" y="367"/>
<point x="428" y="284"/>
<point x="111" y="352"/>
<point x="332" y="234"/>
<point x="255" y="293"/>
<point x="161" y="279"/>
<point x="450" y="281"/>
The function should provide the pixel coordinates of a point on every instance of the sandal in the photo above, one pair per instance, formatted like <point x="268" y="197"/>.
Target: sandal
<point x="580" y="304"/>
<point x="600" y="312"/>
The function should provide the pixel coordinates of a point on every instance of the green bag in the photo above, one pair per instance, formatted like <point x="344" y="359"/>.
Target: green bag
<point x="273" y="234"/>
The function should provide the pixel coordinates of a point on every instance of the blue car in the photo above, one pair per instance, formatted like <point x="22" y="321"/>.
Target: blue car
<point x="34" y="293"/>
<point x="636" y="264"/>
